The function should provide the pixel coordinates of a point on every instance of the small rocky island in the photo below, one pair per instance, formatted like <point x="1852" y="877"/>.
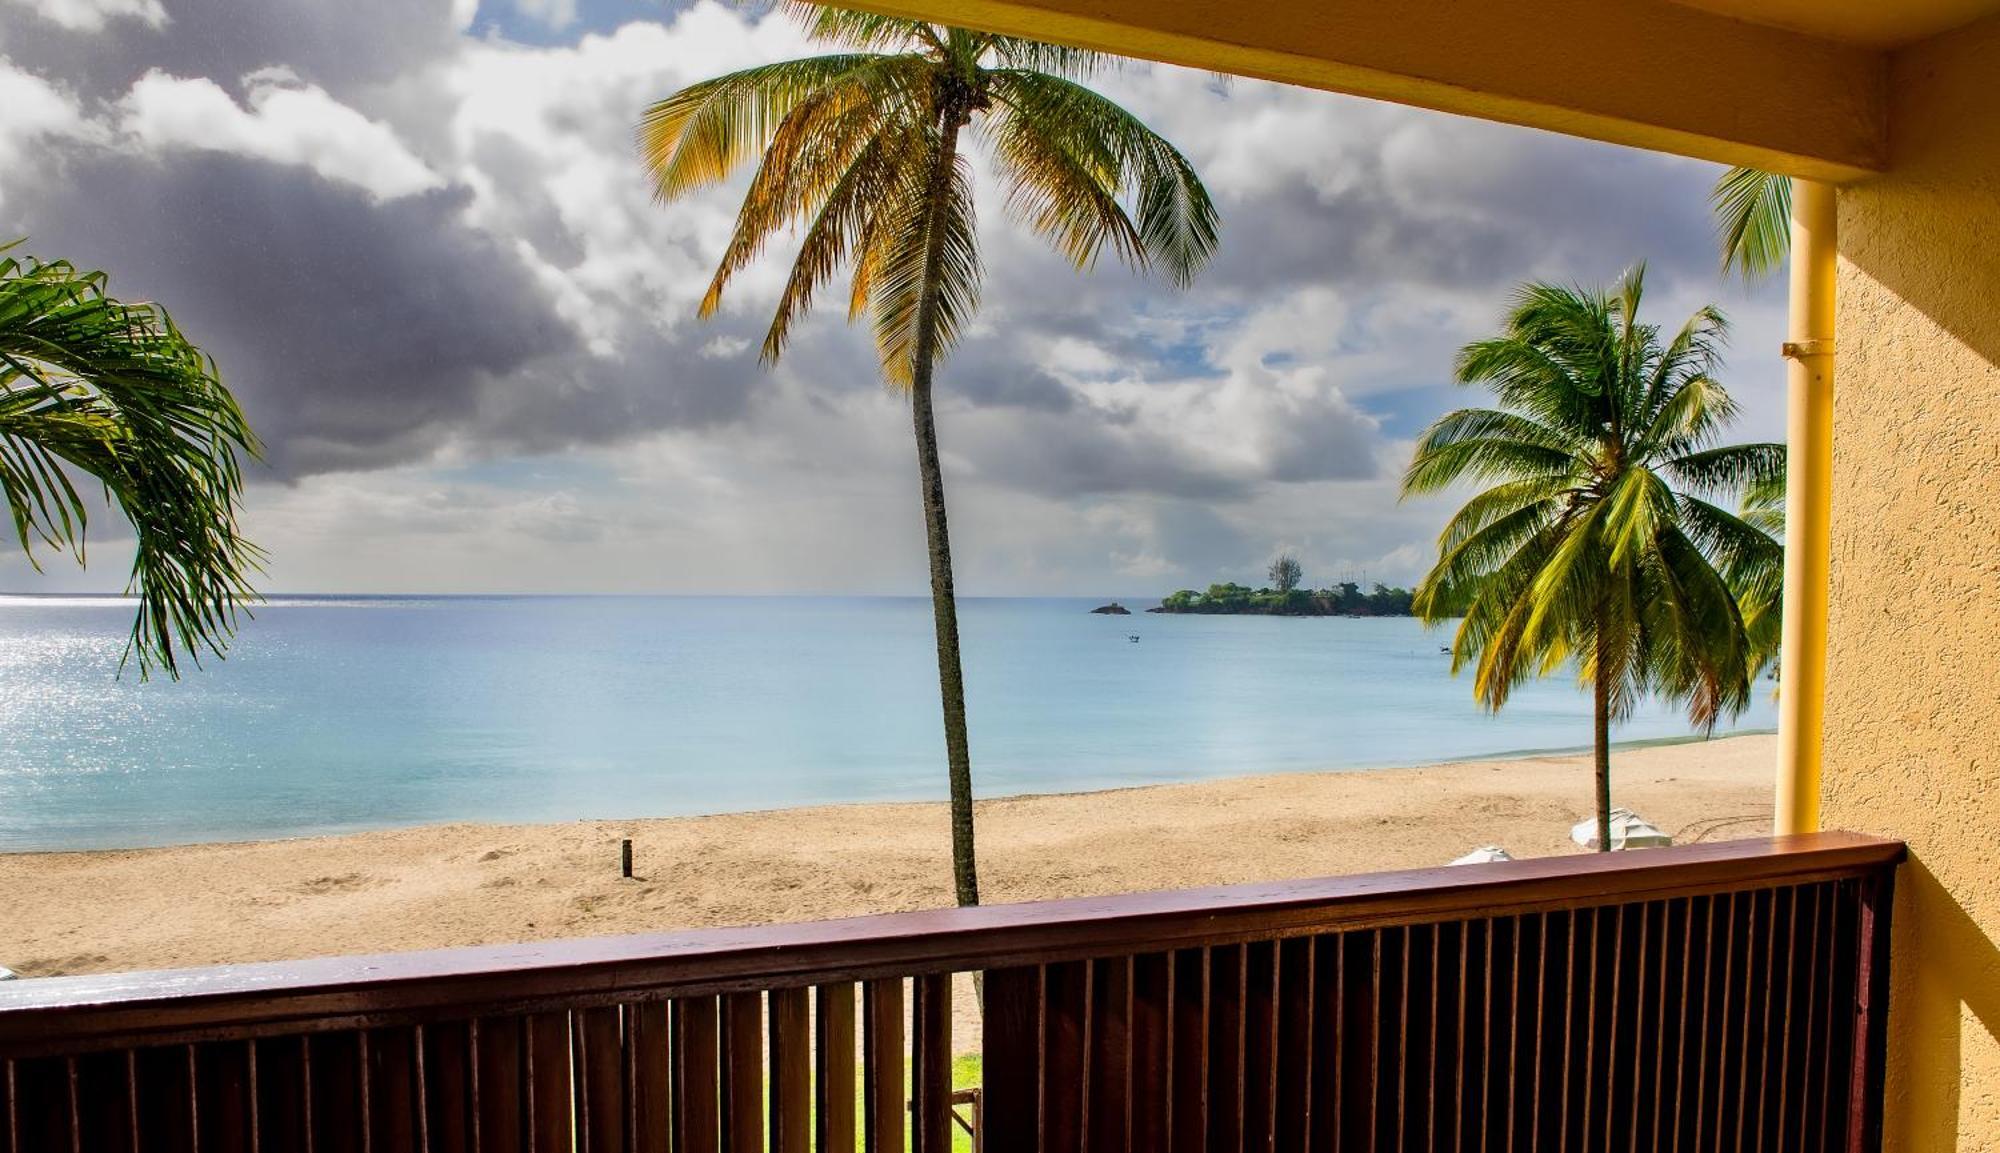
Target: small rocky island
<point x="1285" y="598"/>
<point x="1114" y="609"/>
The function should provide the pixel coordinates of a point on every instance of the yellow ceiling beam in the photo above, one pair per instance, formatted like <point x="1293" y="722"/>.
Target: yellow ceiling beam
<point x="1646" y="73"/>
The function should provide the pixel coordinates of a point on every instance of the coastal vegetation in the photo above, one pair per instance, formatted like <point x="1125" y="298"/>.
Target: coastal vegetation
<point x="1615" y="533"/>
<point x="1341" y="600"/>
<point x="861" y="151"/>
<point x="1286" y="572"/>
<point x="98" y="388"/>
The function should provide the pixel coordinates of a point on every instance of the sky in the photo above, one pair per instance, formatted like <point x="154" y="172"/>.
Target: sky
<point x="417" y="239"/>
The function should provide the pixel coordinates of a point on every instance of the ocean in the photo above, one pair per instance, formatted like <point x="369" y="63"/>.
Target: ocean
<point x="342" y="713"/>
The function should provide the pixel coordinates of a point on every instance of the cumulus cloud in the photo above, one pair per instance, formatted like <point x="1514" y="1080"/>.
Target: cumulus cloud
<point x="282" y="120"/>
<point x="38" y="113"/>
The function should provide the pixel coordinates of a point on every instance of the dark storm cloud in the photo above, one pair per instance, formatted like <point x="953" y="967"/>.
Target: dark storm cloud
<point x="330" y="42"/>
<point x="653" y="382"/>
<point x="1013" y="385"/>
<point x="1550" y="206"/>
<point x="1066" y="457"/>
<point x="358" y="334"/>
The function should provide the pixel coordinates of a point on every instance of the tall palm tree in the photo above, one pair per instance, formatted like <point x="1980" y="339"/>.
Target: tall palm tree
<point x="1753" y="214"/>
<point x="92" y="387"/>
<point x="861" y="151"/>
<point x="1600" y="542"/>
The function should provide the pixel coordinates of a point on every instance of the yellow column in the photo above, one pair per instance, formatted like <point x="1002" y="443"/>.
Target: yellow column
<point x="1808" y="495"/>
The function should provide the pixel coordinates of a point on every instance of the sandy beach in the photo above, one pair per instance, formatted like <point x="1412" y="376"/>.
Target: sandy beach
<point x="469" y="884"/>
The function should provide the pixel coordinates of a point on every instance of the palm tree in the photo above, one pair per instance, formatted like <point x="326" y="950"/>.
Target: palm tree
<point x="861" y="151"/>
<point x="1599" y="541"/>
<point x="1753" y="214"/>
<point x="94" y="387"/>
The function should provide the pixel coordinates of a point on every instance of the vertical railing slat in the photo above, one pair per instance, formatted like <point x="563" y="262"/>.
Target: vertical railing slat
<point x="1323" y="1129"/>
<point x="1189" y="1055"/>
<point x="1225" y="1049"/>
<point x="1260" y="1045"/>
<point x="1613" y="1010"/>
<point x="743" y="1073"/>
<point x="1011" y="1057"/>
<point x="1357" y="1046"/>
<point x="1538" y="1073"/>
<point x="336" y="1081"/>
<point x="599" y="1064"/>
<point x="649" y="1076"/>
<point x="930" y="1061"/>
<point x="41" y="1109"/>
<point x="1516" y="967"/>
<point x="550" y="1085"/>
<point x="886" y="1120"/>
<point x="1636" y="1045"/>
<point x="1296" y="984"/>
<point x="790" y="1084"/>
<point x="1152" y="1010"/>
<point x="105" y="1112"/>
<point x="1839" y="1010"/>
<point x="284" y="1099"/>
<point x="1065" y="1009"/>
<point x="696" y="1066"/>
<point x="1108" y="1058"/>
<point x="448" y="1079"/>
<point x="833" y="1083"/>
<point x="1871" y="1009"/>
<point x="391" y="1085"/>
<point x="500" y="1071"/>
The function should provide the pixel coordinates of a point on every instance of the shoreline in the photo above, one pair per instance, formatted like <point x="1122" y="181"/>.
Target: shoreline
<point x="360" y="830"/>
<point x="471" y="883"/>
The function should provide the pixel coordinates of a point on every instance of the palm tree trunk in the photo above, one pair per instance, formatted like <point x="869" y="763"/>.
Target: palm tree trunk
<point x="1601" y="694"/>
<point x="944" y="603"/>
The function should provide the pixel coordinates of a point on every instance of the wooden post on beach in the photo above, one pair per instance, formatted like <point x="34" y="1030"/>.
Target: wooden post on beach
<point x="625" y="855"/>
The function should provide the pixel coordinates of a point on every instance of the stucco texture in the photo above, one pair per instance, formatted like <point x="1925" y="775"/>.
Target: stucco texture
<point x="1913" y="698"/>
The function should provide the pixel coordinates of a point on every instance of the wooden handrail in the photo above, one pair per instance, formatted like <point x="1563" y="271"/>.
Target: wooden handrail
<point x="79" y="1014"/>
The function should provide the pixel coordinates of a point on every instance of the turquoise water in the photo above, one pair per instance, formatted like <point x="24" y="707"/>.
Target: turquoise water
<point x="336" y="714"/>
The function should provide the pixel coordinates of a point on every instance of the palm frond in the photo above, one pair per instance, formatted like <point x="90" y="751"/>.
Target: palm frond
<point x="1693" y="355"/>
<point x="702" y="133"/>
<point x="864" y="31"/>
<point x="1055" y="59"/>
<point x="1731" y="469"/>
<point x="872" y="190"/>
<point x="1753" y="219"/>
<point x="1071" y="131"/>
<point x="1486" y="444"/>
<point x="903" y="275"/>
<point x="115" y="392"/>
<point x="855" y="122"/>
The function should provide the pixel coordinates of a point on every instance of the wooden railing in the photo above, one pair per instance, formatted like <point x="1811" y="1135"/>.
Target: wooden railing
<point x="1718" y="997"/>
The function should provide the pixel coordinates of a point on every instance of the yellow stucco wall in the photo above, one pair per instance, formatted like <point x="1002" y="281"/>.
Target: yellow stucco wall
<point x="1913" y="700"/>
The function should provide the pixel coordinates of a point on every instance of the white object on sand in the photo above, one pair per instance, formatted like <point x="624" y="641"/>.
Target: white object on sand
<point x="1628" y="831"/>
<point x="1484" y="855"/>
<point x="7" y="974"/>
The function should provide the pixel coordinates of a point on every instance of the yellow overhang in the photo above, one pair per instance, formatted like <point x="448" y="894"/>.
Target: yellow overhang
<point x="1647" y="73"/>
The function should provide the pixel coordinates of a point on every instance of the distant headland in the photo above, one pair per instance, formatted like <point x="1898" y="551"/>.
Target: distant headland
<point x="1284" y="598"/>
<point x="1342" y="600"/>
